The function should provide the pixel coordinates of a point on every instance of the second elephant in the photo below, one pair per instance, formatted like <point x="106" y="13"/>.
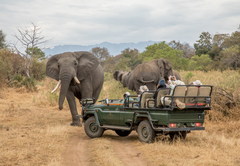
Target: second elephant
<point x="147" y="73"/>
<point x="176" y="74"/>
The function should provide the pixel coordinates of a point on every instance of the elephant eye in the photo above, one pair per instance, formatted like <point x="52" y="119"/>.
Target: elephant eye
<point x="75" y="63"/>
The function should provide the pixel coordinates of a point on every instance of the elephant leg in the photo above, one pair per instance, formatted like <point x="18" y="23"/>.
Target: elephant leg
<point x="73" y="109"/>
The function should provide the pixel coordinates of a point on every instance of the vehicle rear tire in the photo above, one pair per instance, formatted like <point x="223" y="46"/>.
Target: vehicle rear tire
<point x="179" y="134"/>
<point x="122" y="133"/>
<point x="145" y="132"/>
<point x="92" y="129"/>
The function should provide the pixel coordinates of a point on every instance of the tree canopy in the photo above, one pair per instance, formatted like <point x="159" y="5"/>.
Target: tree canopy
<point x="163" y="50"/>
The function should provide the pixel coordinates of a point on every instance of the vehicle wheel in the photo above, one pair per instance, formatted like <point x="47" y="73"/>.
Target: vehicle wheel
<point x="145" y="132"/>
<point x="92" y="129"/>
<point x="122" y="133"/>
<point x="176" y="135"/>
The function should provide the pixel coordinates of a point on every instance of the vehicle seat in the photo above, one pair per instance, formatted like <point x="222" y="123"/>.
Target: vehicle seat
<point x="179" y="91"/>
<point x="161" y="93"/>
<point x="203" y="91"/>
<point x="191" y="91"/>
<point x="144" y="97"/>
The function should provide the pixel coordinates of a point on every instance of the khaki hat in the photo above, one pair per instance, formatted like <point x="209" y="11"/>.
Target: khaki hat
<point x="143" y="88"/>
<point x="127" y="93"/>
<point x="180" y="105"/>
<point x="197" y="82"/>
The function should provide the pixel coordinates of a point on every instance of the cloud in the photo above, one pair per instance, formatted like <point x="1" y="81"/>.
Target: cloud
<point x="94" y="21"/>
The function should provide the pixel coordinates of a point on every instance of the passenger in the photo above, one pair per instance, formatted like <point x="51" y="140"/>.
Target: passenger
<point x="142" y="89"/>
<point x="173" y="83"/>
<point x="160" y="85"/>
<point x="127" y="94"/>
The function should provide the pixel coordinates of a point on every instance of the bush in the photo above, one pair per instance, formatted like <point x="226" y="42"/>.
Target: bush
<point x="38" y="69"/>
<point x="188" y="77"/>
<point x="20" y="81"/>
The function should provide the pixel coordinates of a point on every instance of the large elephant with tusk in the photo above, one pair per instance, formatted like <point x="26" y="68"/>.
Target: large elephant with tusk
<point x="79" y="74"/>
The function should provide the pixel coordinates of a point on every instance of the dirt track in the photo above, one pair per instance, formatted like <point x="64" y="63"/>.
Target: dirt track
<point x="78" y="150"/>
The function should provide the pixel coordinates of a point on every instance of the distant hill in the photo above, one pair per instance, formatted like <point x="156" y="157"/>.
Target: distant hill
<point x="114" y="49"/>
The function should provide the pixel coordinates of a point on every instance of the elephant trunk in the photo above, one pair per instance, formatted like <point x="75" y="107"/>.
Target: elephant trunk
<point x="65" y="82"/>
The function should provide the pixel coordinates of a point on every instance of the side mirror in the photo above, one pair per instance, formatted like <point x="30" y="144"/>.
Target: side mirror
<point x="106" y="101"/>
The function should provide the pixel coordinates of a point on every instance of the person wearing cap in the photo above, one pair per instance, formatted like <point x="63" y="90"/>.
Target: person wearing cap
<point x="160" y="85"/>
<point x="127" y="94"/>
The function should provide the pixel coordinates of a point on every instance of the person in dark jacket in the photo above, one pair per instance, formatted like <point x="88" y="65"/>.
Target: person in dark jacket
<point x="161" y="84"/>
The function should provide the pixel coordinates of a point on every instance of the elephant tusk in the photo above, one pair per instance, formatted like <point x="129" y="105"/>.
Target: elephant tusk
<point x="76" y="79"/>
<point x="58" y="84"/>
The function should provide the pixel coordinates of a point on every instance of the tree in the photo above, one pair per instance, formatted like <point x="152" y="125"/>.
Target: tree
<point x="30" y="38"/>
<point x="133" y="57"/>
<point x="36" y="53"/>
<point x="200" y="63"/>
<point x="10" y="64"/>
<point x="187" y="50"/>
<point x="101" y="53"/>
<point x="204" y="44"/>
<point x="162" y="50"/>
<point x="2" y="39"/>
<point x="231" y="56"/>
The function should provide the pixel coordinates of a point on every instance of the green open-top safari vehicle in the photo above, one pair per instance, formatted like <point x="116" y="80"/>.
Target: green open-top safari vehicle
<point x="174" y="115"/>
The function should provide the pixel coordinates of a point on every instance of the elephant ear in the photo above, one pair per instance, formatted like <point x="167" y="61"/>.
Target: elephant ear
<point x="160" y="63"/>
<point x="167" y="64"/>
<point x="164" y="66"/>
<point x="52" y="69"/>
<point x="87" y="63"/>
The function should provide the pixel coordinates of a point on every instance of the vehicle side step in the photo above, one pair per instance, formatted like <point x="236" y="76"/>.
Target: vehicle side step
<point x="115" y="127"/>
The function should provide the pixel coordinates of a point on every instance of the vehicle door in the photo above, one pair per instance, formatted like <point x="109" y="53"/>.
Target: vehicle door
<point x="110" y="113"/>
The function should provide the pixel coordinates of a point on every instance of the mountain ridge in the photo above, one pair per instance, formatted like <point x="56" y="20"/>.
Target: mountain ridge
<point x="113" y="48"/>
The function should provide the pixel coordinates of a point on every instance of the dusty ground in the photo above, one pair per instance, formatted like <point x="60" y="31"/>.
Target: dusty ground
<point x="33" y="134"/>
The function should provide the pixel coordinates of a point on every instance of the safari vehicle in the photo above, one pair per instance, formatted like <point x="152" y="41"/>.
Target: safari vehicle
<point x="150" y="116"/>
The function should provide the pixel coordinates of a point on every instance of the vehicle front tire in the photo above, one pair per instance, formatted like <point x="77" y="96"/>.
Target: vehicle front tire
<point x="92" y="129"/>
<point x="122" y="133"/>
<point x="145" y="132"/>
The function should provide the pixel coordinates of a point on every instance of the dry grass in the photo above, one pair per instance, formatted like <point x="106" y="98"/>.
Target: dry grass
<point x="34" y="132"/>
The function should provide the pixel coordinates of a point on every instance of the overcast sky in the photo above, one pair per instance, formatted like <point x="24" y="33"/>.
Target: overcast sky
<point x="86" y="22"/>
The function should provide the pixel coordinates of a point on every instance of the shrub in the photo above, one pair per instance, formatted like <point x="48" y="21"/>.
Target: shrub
<point x="27" y="82"/>
<point x="188" y="77"/>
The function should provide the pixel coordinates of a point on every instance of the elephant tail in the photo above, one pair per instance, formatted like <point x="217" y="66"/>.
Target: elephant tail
<point x="146" y="81"/>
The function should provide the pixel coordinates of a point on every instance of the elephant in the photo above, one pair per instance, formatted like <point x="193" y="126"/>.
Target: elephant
<point x="176" y="74"/>
<point x="117" y="75"/>
<point x="80" y="76"/>
<point x="147" y="73"/>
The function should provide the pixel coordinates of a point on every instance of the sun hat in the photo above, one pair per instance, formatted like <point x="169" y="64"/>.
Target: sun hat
<point x="127" y="93"/>
<point x="143" y="88"/>
<point x="197" y="82"/>
<point x="178" y="82"/>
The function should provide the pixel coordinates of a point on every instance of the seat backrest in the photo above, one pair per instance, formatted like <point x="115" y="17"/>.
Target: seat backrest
<point x="161" y="93"/>
<point x="203" y="91"/>
<point x="179" y="91"/>
<point x="191" y="91"/>
<point x="144" y="96"/>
